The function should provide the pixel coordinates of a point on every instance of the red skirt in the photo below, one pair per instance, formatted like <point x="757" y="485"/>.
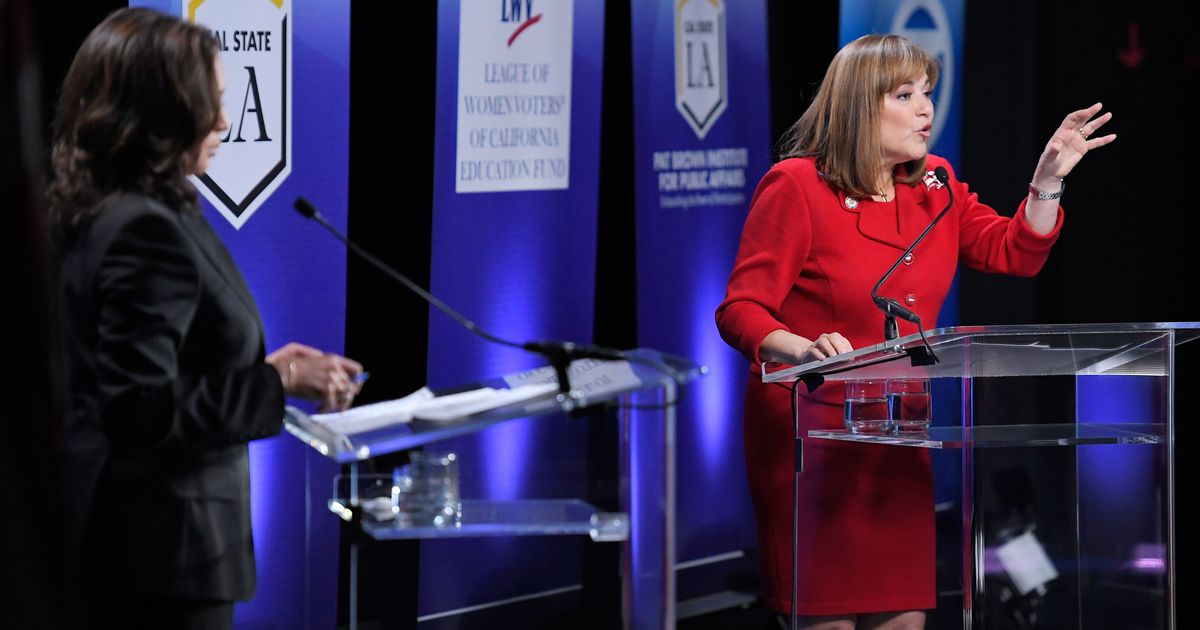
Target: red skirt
<point x="866" y="531"/>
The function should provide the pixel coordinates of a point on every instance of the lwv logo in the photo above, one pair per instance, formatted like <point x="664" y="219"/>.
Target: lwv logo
<point x="519" y="12"/>
<point x="256" y="152"/>
<point x="700" y="76"/>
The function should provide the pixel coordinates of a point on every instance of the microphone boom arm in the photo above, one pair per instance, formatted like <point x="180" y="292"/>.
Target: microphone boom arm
<point x="558" y="353"/>
<point x="890" y="307"/>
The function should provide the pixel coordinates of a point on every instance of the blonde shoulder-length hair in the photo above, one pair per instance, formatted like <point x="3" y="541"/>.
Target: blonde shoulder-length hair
<point x="841" y="126"/>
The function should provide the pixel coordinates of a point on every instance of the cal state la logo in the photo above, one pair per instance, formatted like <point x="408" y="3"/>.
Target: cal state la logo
<point x="256" y="152"/>
<point x="701" y="79"/>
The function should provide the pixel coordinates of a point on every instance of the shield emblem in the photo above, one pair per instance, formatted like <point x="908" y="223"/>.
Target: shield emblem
<point x="701" y="79"/>
<point x="256" y="151"/>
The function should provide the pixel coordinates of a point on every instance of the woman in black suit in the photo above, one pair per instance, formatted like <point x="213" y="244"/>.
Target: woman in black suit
<point x="166" y="375"/>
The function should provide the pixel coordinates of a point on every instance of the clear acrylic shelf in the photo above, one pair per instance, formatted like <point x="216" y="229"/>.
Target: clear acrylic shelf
<point x="530" y="517"/>
<point x="1011" y="435"/>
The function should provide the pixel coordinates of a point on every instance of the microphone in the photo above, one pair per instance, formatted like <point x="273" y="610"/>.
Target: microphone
<point x="558" y="353"/>
<point x="309" y="211"/>
<point x="891" y="308"/>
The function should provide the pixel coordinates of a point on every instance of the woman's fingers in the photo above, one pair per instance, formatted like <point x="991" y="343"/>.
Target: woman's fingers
<point x="352" y="367"/>
<point x="329" y="379"/>
<point x="827" y="345"/>
<point x="333" y="396"/>
<point x="840" y="344"/>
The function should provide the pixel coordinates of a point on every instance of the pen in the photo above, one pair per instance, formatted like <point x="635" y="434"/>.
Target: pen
<point x="361" y="378"/>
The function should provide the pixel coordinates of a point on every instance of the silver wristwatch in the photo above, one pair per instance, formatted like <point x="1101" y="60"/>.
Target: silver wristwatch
<point x="1045" y="196"/>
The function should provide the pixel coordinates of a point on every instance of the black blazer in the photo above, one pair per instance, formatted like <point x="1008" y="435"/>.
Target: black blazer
<point x="163" y="351"/>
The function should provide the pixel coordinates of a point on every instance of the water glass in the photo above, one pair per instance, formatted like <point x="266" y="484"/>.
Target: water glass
<point x="866" y="408"/>
<point x="909" y="405"/>
<point x="425" y="491"/>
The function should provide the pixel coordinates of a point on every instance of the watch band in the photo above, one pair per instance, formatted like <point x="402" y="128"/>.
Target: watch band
<point x="1045" y="196"/>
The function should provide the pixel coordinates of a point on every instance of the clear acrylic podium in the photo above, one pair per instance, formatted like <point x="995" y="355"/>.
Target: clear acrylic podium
<point x="645" y="524"/>
<point x="1114" y="553"/>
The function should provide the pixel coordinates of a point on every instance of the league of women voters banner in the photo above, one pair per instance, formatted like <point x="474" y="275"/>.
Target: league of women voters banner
<point x="516" y="179"/>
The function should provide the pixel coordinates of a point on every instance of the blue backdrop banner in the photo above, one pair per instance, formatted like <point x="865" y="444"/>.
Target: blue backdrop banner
<point x="514" y="249"/>
<point x="702" y="141"/>
<point x="937" y="26"/>
<point x="287" y="70"/>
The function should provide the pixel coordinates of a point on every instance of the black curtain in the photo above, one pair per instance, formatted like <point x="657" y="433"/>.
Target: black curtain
<point x="34" y="571"/>
<point x="1130" y="215"/>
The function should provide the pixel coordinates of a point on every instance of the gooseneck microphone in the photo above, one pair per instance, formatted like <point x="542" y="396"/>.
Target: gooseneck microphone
<point x="558" y="353"/>
<point x="891" y="308"/>
<point x="309" y="211"/>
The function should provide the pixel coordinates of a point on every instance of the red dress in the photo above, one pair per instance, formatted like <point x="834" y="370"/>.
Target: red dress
<point x="806" y="264"/>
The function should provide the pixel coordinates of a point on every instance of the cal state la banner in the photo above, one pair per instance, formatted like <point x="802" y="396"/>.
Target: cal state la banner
<point x="287" y="100"/>
<point x="257" y="51"/>
<point x="702" y="141"/>
<point x="514" y="249"/>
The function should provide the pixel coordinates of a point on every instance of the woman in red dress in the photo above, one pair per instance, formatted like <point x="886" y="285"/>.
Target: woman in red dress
<point x="825" y="223"/>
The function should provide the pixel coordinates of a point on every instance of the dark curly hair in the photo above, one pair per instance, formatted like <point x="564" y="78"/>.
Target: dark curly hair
<point x="141" y="94"/>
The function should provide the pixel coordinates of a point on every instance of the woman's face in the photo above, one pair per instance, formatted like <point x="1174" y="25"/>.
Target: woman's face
<point x="905" y="121"/>
<point x="207" y="147"/>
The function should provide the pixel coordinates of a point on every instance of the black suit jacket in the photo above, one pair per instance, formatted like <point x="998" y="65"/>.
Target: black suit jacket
<point x="166" y="384"/>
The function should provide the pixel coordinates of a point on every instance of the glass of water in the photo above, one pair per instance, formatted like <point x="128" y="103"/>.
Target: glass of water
<point x="425" y="492"/>
<point x="866" y="408"/>
<point x="909" y="404"/>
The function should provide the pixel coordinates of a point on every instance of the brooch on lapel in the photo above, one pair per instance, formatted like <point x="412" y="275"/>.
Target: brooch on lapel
<point x="931" y="181"/>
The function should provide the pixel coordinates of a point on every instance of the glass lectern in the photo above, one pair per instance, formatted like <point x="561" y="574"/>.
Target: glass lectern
<point x="646" y="388"/>
<point x="1111" y="549"/>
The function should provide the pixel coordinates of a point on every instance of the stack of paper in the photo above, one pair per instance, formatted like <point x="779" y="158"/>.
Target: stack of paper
<point x="422" y="404"/>
<point x="370" y="417"/>
<point x="479" y="400"/>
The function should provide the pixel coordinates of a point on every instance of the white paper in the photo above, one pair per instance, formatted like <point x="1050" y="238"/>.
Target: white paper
<point x="422" y="404"/>
<point x="375" y="416"/>
<point x="514" y="96"/>
<point x="1026" y="562"/>
<point x="461" y="405"/>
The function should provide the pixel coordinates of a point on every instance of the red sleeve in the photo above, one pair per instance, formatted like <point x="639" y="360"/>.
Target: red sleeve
<point x="991" y="243"/>
<point x="775" y="244"/>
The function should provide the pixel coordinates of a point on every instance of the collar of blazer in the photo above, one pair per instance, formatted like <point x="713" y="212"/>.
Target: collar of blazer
<point x="877" y="220"/>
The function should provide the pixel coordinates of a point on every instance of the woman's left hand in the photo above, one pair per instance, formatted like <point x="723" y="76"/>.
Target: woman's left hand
<point x="1070" y="142"/>
<point x="330" y="379"/>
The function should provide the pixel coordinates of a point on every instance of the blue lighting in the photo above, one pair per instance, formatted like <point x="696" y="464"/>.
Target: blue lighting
<point x="718" y="399"/>
<point x="1126" y="472"/>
